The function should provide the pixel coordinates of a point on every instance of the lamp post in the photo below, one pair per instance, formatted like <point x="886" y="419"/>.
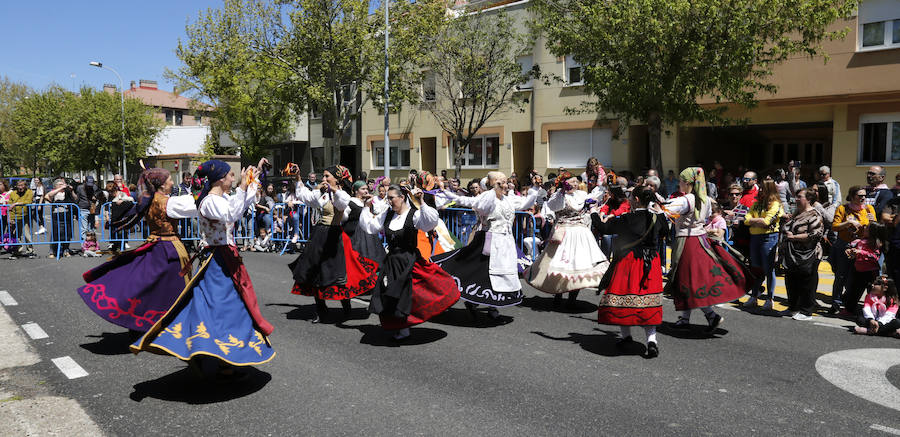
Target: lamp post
<point x="387" y="90"/>
<point x="122" y="100"/>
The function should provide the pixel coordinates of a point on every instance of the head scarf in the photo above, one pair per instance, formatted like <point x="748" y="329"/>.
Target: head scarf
<point x="151" y="180"/>
<point x="357" y="185"/>
<point x="210" y="172"/>
<point x="342" y="174"/>
<point x="426" y="180"/>
<point x="695" y="177"/>
<point x="562" y="177"/>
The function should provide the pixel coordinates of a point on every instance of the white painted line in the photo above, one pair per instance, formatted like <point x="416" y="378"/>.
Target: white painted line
<point x="34" y="331"/>
<point x="886" y="429"/>
<point x="359" y="301"/>
<point x="69" y="367"/>
<point x="6" y="299"/>
<point x="863" y="372"/>
<point x="829" y="325"/>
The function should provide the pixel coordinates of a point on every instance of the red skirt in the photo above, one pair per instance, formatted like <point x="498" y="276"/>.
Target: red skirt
<point x="361" y="276"/>
<point x="631" y="299"/>
<point x="433" y="291"/>
<point x="701" y="280"/>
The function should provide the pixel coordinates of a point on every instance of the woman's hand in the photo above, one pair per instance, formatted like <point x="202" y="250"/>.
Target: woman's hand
<point x="262" y="161"/>
<point x="245" y="172"/>
<point x="417" y="196"/>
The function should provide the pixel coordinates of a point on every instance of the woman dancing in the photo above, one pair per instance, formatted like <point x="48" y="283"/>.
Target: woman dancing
<point x="486" y="270"/>
<point x="572" y="259"/>
<point x="368" y="245"/>
<point x="135" y="288"/>
<point x="702" y="274"/>
<point x="217" y="314"/>
<point x="410" y="290"/>
<point x="329" y="268"/>
<point x="633" y="284"/>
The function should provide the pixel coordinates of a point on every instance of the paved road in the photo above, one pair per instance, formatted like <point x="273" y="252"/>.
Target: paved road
<point x="549" y="372"/>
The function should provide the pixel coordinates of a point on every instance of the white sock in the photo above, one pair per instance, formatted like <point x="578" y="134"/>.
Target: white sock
<point x="651" y="333"/>
<point x="625" y="330"/>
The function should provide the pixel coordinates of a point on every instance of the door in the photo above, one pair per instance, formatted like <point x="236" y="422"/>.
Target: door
<point x="523" y="154"/>
<point x="429" y="154"/>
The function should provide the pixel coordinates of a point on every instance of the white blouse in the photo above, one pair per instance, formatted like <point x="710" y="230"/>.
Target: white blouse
<point x="218" y="214"/>
<point x="181" y="207"/>
<point x="686" y="222"/>
<point x="496" y="215"/>
<point x="317" y="199"/>
<point x="425" y="219"/>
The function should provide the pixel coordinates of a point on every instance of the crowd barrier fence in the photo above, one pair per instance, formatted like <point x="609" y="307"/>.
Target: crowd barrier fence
<point x="20" y="227"/>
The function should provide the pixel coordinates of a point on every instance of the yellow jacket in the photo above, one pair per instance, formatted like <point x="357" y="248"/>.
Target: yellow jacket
<point x="770" y="216"/>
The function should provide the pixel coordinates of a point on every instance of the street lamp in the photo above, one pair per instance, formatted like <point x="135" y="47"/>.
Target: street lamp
<point x="122" y="98"/>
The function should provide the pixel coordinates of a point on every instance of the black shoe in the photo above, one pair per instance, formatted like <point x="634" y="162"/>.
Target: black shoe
<point x="471" y="307"/>
<point x="557" y="300"/>
<point x="714" y="322"/>
<point x="834" y="309"/>
<point x="652" y="350"/>
<point x="494" y="314"/>
<point x="682" y="324"/>
<point x="345" y="304"/>
<point x="623" y="343"/>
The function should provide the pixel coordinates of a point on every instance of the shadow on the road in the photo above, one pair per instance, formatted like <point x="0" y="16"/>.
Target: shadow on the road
<point x="696" y="332"/>
<point x="374" y="335"/>
<point x="463" y="318"/>
<point x="110" y="343"/>
<point x="540" y="303"/>
<point x="185" y="386"/>
<point x="600" y="344"/>
<point x="308" y="313"/>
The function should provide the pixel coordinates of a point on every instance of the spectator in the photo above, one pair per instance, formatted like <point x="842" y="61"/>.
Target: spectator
<point x="762" y="220"/>
<point x="833" y="187"/>
<point x="262" y="243"/>
<point x="37" y="212"/>
<point x="670" y="184"/>
<point x="4" y="200"/>
<point x="89" y="246"/>
<point x="120" y="185"/>
<point x="849" y="221"/>
<point x="185" y="186"/>
<point x="733" y="199"/>
<point x="896" y="188"/>
<point x="784" y="189"/>
<point x="61" y="223"/>
<point x="794" y="182"/>
<point x="264" y="206"/>
<point x="748" y="198"/>
<point x="879" y="315"/>
<point x="513" y="186"/>
<point x="311" y="181"/>
<point x="801" y="252"/>
<point x="20" y="218"/>
<point x="877" y="193"/>
<point x="593" y="173"/>
<point x="121" y="204"/>
<point x="864" y="252"/>
<point x="474" y="187"/>
<point x="715" y="225"/>
<point x="87" y="206"/>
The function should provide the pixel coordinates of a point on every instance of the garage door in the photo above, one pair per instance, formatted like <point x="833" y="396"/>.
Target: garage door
<point x="572" y="148"/>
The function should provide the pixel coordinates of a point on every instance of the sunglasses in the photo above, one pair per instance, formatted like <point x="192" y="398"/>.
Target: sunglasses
<point x="735" y="194"/>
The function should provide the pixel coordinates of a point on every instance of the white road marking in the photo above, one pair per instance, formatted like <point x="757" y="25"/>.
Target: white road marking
<point x="863" y="372"/>
<point x="6" y="299"/>
<point x="34" y="331"/>
<point x="359" y="301"/>
<point x="69" y="367"/>
<point x="886" y="429"/>
<point x="830" y="325"/>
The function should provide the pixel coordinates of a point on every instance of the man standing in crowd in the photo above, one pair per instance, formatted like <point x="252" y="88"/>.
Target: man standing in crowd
<point x="311" y="181"/>
<point x="18" y="215"/>
<point x="834" y="188"/>
<point x="877" y="193"/>
<point x="85" y="194"/>
<point x="185" y="186"/>
<point x="670" y="184"/>
<point x="750" y="189"/>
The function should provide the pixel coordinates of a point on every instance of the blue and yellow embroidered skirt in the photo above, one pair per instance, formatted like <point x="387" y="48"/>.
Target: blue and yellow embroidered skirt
<point x="209" y="318"/>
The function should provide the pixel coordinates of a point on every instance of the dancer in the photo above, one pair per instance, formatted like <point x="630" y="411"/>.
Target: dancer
<point x="633" y="284"/>
<point x="329" y="268"/>
<point x="702" y="274"/>
<point x="572" y="259"/>
<point x="135" y="288"/>
<point x="368" y="245"/>
<point x="439" y="240"/>
<point x="486" y="270"/>
<point x="217" y="314"/>
<point x="410" y="289"/>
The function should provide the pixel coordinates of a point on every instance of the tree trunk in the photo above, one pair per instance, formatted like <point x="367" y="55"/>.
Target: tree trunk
<point x="457" y="158"/>
<point x="654" y="142"/>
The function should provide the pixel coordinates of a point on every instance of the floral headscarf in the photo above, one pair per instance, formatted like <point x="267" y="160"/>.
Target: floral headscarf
<point x="695" y="177"/>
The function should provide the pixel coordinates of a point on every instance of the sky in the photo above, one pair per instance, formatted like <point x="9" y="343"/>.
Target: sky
<point x="44" y="42"/>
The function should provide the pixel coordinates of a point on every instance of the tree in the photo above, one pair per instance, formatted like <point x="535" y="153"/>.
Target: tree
<point x="11" y="93"/>
<point x="220" y="67"/>
<point x="652" y="61"/>
<point x="473" y="62"/>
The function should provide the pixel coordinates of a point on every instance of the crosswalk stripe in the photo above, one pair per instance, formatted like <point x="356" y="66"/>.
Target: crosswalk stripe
<point x="69" y="367"/>
<point x="6" y="299"/>
<point x="34" y="331"/>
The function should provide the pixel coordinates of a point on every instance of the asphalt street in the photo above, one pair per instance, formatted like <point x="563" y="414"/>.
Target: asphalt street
<point x="550" y="371"/>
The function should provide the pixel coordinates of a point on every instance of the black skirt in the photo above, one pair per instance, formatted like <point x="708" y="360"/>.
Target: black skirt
<point x="322" y="262"/>
<point x="470" y="268"/>
<point x="368" y="245"/>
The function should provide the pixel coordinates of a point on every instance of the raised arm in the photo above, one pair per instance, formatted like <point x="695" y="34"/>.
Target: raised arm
<point x="229" y="209"/>
<point x="557" y="201"/>
<point x="313" y="199"/>
<point x="340" y="199"/>
<point x="181" y="207"/>
<point x="370" y="223"/>
<point x="426" y="218"/>
<point x="523" y="203"/>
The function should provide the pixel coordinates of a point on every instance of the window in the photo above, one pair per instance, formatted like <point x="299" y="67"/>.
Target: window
<point x="879" y="138"/>
<point x="399" y="153"/>
<point x="527" y="63"/>
<point x="573" y="72"/>
<point x="428" y="87"/>
<point x="879" y="25"/>
<point x="198" y="120"/>
<point x="483" y="151"/>
<point x="179" y="118"/>
<point x="572" y="148"/>
<point x="317" y="155"/>
<point x="170" y="116"/>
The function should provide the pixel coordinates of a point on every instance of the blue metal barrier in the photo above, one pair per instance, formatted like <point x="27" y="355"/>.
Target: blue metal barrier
<point x="17" y="231"/>
<point x="462" y="221"/>
<point x="287" y="224"/>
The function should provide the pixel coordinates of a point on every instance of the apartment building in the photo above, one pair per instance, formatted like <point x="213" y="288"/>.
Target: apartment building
<point x="844" y="113"/>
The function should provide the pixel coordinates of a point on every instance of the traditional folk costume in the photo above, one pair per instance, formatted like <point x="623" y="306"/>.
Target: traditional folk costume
<point x="217" y="313"/>
<point x="703" y="274"/>
<point x="135" y="288"/>
<point x="439" y="240"/>
<point x="410" y="289"/>
<point x="329" y="268"/>
<point x="486" y="270"/>
<point x="367" y="245"/>
<point x="572" y="259"/>
<point x="632" y="287"/>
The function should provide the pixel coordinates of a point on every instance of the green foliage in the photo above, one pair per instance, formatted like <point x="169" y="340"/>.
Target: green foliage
<point x="57" y="130"/>
<point x="653" y="60"/>
<point x="11" y="93"/>
<point x="474" y="62"/>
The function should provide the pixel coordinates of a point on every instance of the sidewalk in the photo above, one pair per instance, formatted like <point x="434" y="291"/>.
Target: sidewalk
<point x="26" y="406"/>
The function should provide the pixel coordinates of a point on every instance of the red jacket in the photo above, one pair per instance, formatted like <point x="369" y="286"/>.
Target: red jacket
<point x="749" y="196"/>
